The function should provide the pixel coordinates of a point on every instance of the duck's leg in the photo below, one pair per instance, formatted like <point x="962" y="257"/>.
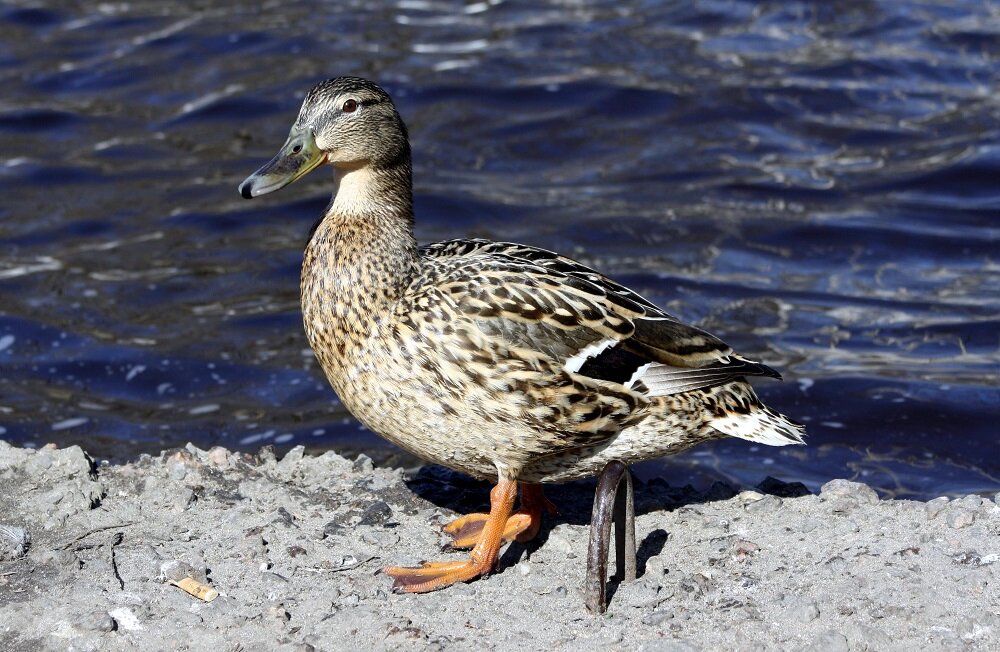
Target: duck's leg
<point x="523" y="525"/>
<point x="610" y="504"/>
<point x="437" y="575"/>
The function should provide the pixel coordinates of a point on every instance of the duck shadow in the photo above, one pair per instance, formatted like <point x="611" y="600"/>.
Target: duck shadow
<point x="462" y="494"/>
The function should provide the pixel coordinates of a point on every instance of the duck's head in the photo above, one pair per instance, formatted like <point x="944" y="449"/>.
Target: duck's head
<point x="348" y="122"/>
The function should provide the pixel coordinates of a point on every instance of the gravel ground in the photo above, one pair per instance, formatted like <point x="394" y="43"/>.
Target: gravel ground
<point x="294" y="547"/>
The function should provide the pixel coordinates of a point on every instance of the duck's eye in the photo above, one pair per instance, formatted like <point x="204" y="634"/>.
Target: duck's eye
<point x="297" y="149"/>
<point x="350" y="106"/>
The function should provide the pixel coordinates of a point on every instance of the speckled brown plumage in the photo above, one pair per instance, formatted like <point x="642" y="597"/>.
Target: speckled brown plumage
<point x="499" y="360"/>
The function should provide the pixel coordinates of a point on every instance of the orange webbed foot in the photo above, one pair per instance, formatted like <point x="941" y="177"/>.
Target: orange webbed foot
<point x="434" y="575"/>
<point x="431" y="576"/>
<point x="466" y="531"/>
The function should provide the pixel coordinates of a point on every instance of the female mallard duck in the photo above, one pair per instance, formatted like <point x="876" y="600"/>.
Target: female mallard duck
<point x="500" y="360"/>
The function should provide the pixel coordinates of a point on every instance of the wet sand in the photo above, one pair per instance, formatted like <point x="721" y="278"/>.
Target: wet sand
<point x="294" y="548"/>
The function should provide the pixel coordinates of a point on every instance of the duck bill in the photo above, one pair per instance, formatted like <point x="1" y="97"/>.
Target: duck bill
<point x="297" y="157"/>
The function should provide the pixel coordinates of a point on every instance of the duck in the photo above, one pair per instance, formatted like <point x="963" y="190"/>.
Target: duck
<point x="504" y="361"/>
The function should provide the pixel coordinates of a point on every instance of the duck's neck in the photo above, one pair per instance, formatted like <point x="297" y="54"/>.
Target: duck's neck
<point x="362" y="255"/>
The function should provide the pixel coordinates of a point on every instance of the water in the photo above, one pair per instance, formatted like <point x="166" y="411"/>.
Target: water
<point x="815" y="182"/>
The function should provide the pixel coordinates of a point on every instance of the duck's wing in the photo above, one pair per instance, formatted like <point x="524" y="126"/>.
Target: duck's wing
<point x="583" y="354"/>
<point x="591" y="324"/>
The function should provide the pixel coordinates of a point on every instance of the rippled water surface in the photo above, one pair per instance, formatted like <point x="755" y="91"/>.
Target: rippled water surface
<point x="815" y="182"/>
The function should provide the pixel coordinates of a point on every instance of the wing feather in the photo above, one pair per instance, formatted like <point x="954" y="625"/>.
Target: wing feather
<point x="600" y="351"/>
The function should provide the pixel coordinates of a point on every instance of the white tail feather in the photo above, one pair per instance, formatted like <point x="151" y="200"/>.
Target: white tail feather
<point x="762" y="425"/>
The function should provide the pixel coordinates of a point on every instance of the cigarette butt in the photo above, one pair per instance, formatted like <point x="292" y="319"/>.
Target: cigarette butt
<point x="196" y="588"/>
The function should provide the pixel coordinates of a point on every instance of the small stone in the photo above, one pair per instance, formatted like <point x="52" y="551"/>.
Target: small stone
<point x="219" y="456"/>
<point x="655" y="566"/>
<point x="178" y="471"/>
<point x="380" y="538"/>
<point x="743" y="548"/>
<point x="363" y="464"/>
<point x="561" y="591"/>
<point x="830" y="641"/>
<point x="125" y="619"/>
<point x="375" y="514"/>
<point x="748" y="496"/>
<point x="936" y="506"/>
<point x="278" y="612"/>
<point x="557" y="541"/>
<point x="293" y="457"/>
<point x="644" y="592"/>
<point x="351" y="600"/>
<point x="524" y="568"/>
<point x="657" y="617"/>
<point x="806" y="611"/>
<point x="859" y="491"/>
<point x="184" y="499"/>
<point x="38" y="464"/>
<point x="97" y="621"/>
<point x="959" y="518"/>
<point x="972" y="501"/>
<point x="865" y="637"/>
<point x="765" y="504"/>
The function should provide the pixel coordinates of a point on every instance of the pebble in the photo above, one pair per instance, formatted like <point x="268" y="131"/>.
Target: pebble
<point x="830" y="641"/>
<point x="279" y="613"/>
<point x="558" y="542"/>
<point x="959" y="518"/>
<point x="644" y="592"/>
<point x="806" y="611"/>
<point x="865" y="637"/>
<point x="936" y="506"/>
<point x="972" y="501"/>
<point x="97" y="621"/>
<point x="38" y="464"/>
<point x="125" y="618"/>
<point x="383" y="539"/>
<point x="219" y="456"/>
<point x="293" y="457"/>
<point x="375" y="514"/>
<point x="743" y="548"/>
<point x="363" y="464"/>
<point x="859" y="491"/>
<point x="178" y="471"/>
<point x="765" y="504"/>
<point x="657" y="617"/>
<point x="748" y="496"/>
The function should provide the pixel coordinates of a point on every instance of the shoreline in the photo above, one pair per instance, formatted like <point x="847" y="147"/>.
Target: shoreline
<point x="294" y="548"/>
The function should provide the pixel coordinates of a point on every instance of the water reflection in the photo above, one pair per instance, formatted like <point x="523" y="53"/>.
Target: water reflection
<point x="816" y="183"/>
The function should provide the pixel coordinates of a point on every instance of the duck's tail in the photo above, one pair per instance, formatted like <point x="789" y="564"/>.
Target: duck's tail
<point x="745" y="417"/>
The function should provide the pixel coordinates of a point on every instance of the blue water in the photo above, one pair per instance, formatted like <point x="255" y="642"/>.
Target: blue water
<point x="815" y="182"/>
